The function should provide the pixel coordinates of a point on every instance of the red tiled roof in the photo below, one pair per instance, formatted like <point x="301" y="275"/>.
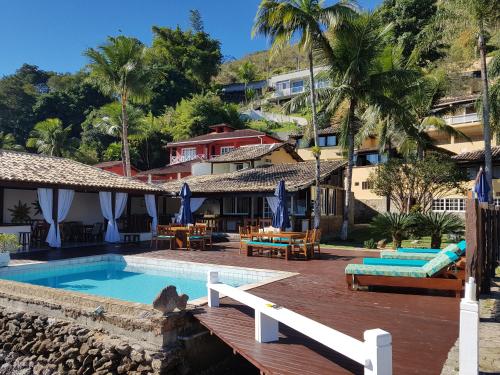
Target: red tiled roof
<point x="208" y="138"/>
<point x="170" y="168"/>
<point x="477" y="155"/>
<point x="112" y="163"/>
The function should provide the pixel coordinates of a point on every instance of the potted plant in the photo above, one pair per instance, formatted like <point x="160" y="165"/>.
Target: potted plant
<point x="8" y="243"/>
<point x="20" y="213"/>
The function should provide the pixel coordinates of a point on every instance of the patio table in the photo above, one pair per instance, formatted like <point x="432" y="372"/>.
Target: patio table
<point x="289" y="238"/>
<point x="180" y="236"/>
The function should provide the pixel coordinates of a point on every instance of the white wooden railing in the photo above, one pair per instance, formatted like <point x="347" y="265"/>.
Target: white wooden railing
<point x="374" y="353"/>
<point x="461" y="119"/>
<point x="184" y="158"/>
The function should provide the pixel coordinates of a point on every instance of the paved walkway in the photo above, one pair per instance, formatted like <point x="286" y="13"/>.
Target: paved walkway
<point x="489" y="336"/>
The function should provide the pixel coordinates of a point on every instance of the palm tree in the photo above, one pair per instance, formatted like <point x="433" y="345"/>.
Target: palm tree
<point x="8" y="142"/>
<point x="393" y="224"/>
<point x="361" y="86"/>
<point x="49" y="137"/>
<point x="436" y="224"/>
<point x="494" y="71"/>
<point x="117" y="69"/>
<point x="247" y="73"/>
<point x="284" y="21"/>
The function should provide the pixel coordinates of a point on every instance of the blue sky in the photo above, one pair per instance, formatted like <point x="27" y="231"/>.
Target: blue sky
<point x="53" y="33"/>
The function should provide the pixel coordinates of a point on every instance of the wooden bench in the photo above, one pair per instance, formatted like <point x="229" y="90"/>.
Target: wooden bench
<point x="262" y="245"/>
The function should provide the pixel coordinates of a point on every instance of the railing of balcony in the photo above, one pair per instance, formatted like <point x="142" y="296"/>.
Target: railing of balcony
<point x="184" y="158"/>
<point x="462" y="119"/>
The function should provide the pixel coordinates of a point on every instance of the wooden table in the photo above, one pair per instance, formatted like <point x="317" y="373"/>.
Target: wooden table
<point x="282" y="237"/>
<point x="180" y="236"/>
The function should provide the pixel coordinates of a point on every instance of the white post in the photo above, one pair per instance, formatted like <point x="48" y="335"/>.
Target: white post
<point x="213" y="295"/>
<point x="379" y="349"/>
<point x="468" y="355"/>
<point x="266" y="328"/>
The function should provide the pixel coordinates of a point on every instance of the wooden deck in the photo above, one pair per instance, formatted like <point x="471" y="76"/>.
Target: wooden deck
<point x="423" y="327"/>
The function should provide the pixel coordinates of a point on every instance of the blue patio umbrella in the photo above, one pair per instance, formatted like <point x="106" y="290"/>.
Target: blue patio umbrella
<point x="185" y="215"/>
<point x="481" y="186"/>
<point x="280" y="217"/>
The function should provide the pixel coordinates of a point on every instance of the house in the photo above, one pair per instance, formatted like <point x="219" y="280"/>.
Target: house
<point x="235" y="92"/>
<point x="75" y="195"/>
<point x="168" y="172"/>
<point x="246" y="157"/>
<point x="222" y="139"/>
<point x="115" y="166"/>
<point x="231" y="198"/>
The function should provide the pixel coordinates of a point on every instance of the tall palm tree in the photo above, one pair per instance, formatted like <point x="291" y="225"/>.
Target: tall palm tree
<point x="284" y="21"/>
<point x="479" y="15"/>
<point x="49" y="137"/>
<point x="117" y="68"/>
<point x="247" y="73"/>
<point x="361" y="86"/>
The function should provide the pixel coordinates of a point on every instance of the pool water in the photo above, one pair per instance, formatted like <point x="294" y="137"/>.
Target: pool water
<point x="118" y="280"/>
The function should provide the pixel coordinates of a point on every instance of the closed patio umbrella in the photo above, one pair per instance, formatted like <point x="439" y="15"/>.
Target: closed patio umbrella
<point x="481" y="186"/>
<point x="280" y="217"/>
<point x="185" y="215"/>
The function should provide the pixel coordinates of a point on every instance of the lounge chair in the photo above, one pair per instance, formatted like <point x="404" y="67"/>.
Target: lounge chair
<point x="427" y="250"/>
<point x="458" y="248"/>
<point x="435" y="274"/>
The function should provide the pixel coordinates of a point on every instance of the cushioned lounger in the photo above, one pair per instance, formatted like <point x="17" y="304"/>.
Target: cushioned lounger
<point x="395" y="262"/>
<point x="461" y="245"/>
<point x="458" y="248"/>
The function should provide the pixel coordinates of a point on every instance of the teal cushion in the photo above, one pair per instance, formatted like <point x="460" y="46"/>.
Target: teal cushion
<point x="396" y="271"/>
<point x="439" y="262"/>
<point x="196" y="237"/>
<point x="418" y="250"/>
<point x="395" y="262"/>
<point x="258" y="243"/>
<point x="461" y="245"/>
<point x="397" y="255"/>
<point x="161" y="236"/>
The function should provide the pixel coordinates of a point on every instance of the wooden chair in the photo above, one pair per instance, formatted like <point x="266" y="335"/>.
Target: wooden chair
<point x="244" y="236"/>
<point x="304" y="246"/>
<point x="265" y="222"/>
<point x="248" y="222"/>
<point x="163" y="233"/>
<point x="316" y="240"/>
<point x="208" y="233"/>
<point x="196" y="235"/>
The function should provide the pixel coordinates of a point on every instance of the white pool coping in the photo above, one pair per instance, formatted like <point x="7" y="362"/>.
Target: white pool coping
<point x="258" y="276"/>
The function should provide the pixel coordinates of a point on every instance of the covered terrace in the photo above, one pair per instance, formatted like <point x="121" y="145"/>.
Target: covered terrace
<point x="88" y="204"/>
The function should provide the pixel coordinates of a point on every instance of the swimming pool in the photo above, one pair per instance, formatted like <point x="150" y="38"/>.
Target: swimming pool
<point x="133" y="278"/>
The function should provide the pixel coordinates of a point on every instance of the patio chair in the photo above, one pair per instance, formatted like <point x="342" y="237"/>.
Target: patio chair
<point x="245" y="235"/>
<point x="316" y="248"/>
<point x="93" y="233"/>
<point x="304" y="247"/>
<point x="208" y="233"/>
<point x="461" y="244"/>
<point x="163" y="233"/>
<point x="196" y="235"/>
<point x="458" y="248"/>
<point x="435" y="274"/>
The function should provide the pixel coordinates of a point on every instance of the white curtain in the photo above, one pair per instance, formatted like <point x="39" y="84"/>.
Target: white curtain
<point x="273" y="203"/>
<point x="65" y="198"/>
<point x="45" y="200"/>
<point x="196" y="204"/>
<point x="151" y="207"/>
<point x="112" y="233"/>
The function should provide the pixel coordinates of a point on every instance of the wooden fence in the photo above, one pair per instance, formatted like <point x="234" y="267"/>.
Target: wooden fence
<point x="482" y="233"/>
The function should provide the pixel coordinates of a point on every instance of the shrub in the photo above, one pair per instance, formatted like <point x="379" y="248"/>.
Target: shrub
<point x="392" y="224"/>
<point x="8" y="242"/>
<point x="370" y="244"/>
<point x="435" y="224"/>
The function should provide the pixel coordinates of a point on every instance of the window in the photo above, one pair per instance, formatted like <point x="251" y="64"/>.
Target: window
<point x="282" y="85"/>
<point x="189" y="153"/>
<point x="239" y="166"/>
<point x="322" y="83"/>
<point x="328" y="201"/>
<point x="297" y="86"/>
<point x="367" y="185"/>
<point x="226" y="149"/>
<point x="330" y="140"/>
<point x="449" y="204"/>
<point x="236" y="205"/>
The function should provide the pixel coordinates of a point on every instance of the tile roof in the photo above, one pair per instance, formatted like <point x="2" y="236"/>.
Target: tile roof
<point x="40" y="170"/>
<point x="297" y="176"/>
<point x="477" y="155"/>
<point x="456" y="99"/>
<point x="170" y="168"/>
<point x="254" y="152"/>
<point x="207" y="138"/>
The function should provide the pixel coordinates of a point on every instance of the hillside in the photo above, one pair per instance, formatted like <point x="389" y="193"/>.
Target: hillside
<point x="290" y="58"/>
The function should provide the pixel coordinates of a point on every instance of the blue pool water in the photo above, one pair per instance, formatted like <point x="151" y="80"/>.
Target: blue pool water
<point x="116" y="280"/>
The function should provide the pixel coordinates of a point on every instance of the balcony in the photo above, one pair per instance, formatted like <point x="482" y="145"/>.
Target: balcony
<point x="462" y="119"/>
<point x="185" y="158"/>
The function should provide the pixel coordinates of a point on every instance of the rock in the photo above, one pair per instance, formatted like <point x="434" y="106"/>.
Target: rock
<point x="84" y="349"/>
<point x="136" y="356"/>
<point x="168" y="300"/>
<point x="123" y="349"/>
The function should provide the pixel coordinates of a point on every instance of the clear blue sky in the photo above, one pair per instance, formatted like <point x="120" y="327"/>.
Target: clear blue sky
<point x="53" y="33"/>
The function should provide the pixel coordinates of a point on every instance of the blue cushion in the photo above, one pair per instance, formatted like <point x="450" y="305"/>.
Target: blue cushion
<point x="461" y="245"/>
<point x="168" y="237"/>
<point x="395" y="262"/>
<point x="418" y="250"/>
<point x="196" y="237"/>
<point x="257" y="243"/>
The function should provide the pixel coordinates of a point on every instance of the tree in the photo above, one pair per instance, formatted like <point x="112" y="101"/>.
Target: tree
<point x="49" y="137"/>
<point x="196" y="21"/>
<point x="392" y="224"/>
<point x="412" y="184"/>
<point x="283" y="21"/>
<point x="8" y="142"/>
<point x="362" y="82"/>
<point x="195" y="55"/>
<point x="117" y="69"/>
<point x="193" y="117"/>
<point x="247" y="73"/>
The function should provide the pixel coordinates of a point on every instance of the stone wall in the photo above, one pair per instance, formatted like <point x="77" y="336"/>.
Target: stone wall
<point x="35" y="344"/>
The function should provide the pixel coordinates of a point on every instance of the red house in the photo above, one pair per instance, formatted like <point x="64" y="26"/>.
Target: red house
<point x="222" y="139"/>
<point x="116" y="166"/>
